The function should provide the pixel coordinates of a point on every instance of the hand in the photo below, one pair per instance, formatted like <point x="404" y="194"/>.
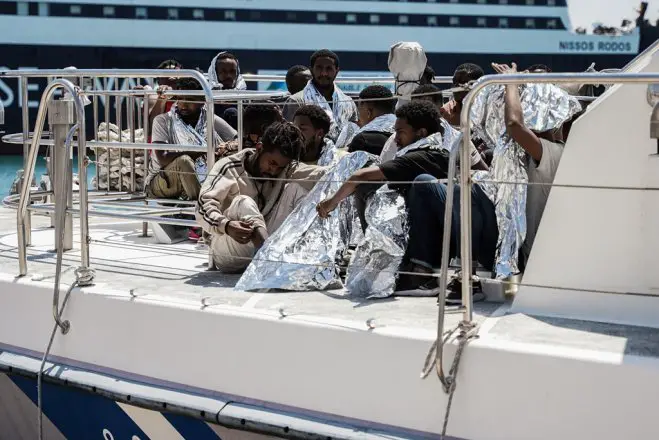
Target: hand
<point x="240" y="231"/>
<point x="325" y="207"/>
<point x="226" y="148"/>
<point x="504" y="68"/>
<point x="162" y="89"/>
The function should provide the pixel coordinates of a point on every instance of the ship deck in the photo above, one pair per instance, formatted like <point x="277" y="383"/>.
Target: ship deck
<point x="178" y="274"/>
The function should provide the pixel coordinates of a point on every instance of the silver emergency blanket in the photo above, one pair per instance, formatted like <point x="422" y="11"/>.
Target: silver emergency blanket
<point x="214" y="81"/>
<point x="372" y="272"/>
<point x="546" y="107"/>
<point x="383" y="124"/>
<point x="407" y="61"/>
<point x="328" y="153"/>
<point x="301" y="254"/>
<point x="341" y="113"/>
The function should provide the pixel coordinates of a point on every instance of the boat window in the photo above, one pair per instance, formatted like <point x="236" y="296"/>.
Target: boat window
<point x="22" y="8"/>
<point x="454" y="21"/>
<point x="551" y="2"/>
<point x="351" y="18"/>
<point x="530" y="23"/>
<point x="503" y="22"/>
<point x="503" y="2"/>
<point x="481" y="2"/>
<point x="255" y="15"/>
<point x="321" y="17"/>
<point x="291" y="16"/>
<point x="229" y="15"/>
<point x="141" y="13"/>
<point x="108" y="11"/>
<point x="431" y="20"/>
<point x="75" y="9"/>
<point x="481" y="22"/>
<point x="454" y="1"/>
<point x="198" y="14"/>
<point x="530" y="2"/>
<point x="551" y="24"/>
<point x="375" y="19"/>
<point x="172" y="14"/>
<point x="43" y="9"/>
<point x="403" y="19"/>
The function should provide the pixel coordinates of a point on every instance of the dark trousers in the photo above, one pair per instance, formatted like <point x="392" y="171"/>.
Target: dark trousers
<point x="426" y="202"/>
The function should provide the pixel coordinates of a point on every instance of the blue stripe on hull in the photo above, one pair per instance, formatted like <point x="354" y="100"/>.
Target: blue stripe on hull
<point x="190" y="428"/>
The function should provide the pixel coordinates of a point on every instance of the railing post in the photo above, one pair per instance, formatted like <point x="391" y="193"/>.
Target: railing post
<point x="25" y="110"/>
<point x="61" y="116"/>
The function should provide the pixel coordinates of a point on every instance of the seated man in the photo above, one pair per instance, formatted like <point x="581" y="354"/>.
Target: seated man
<point x="322" y="91"/>
<point x="314" y="124"/>
<point x="463" y="76"/>
<point x="159" y="104"/>
<point x="376" y="118"/>
<point x="172" y="173"/>
<point x="224" y="74"/>
<point x="430" y="93"/>
<point x="415" y="121"/>
<point x="247" y="197"/>
<point x="297" y="78"/>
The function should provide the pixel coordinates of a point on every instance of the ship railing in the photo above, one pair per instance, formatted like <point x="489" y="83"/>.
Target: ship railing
<point x="465" y="181"/>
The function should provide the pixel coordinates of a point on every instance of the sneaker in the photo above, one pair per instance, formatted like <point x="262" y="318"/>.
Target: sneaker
<point x="416" y="285"/>
<point x="194" y="234"/>
<point x="454" y="292"/>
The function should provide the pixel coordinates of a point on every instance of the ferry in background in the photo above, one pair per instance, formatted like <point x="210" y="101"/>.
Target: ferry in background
<point x="272" y="36"/>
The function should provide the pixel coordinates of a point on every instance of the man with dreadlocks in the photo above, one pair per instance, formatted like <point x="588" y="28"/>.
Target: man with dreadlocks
<point x="246" y="196"/>
<point x="172" y="173"/>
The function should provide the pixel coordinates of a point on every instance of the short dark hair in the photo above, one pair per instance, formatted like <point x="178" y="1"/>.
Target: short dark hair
<point x="318" y="117"/>
<point x="380" y="97"/>
<point x="285" y="138"/>
<point x="428" y="74"/>
<point x="428" y="91"/>
<point x="227" y="56"/>
<point x="544" y="67"/>
<point x="294" y="70"/>
<point x="170" y="64"/>
<point x="187" y="84"/>
<point x="470" y="70"/>
<point x="257" y="117"/>
<point x="324" y="53"/>
<point x="421" y="114"/>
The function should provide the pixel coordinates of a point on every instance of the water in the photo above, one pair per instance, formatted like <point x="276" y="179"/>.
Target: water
<point x="10" y="164"/>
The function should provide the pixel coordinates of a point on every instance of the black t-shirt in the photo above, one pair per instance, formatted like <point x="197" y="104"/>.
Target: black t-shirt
<point x="369" y="141"/>
<point x="411" y="165"/>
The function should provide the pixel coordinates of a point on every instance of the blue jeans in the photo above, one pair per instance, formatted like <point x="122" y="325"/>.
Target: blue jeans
<point x="426" y="202"/>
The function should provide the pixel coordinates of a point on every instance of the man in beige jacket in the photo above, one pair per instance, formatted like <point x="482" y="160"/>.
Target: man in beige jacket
<point x="247" y="195"/>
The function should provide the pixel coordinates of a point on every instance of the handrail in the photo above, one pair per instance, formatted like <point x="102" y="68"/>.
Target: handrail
<point x="248" y="77"/>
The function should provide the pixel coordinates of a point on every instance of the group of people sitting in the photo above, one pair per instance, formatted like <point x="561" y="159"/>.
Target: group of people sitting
<point x="287" y="148"/>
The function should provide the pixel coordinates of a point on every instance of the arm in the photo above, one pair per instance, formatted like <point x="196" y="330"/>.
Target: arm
<point x="159" y="106"/>
<point x="514" y="117"/>
<point x="213" y="194"/>
<point x="365" y="174"/>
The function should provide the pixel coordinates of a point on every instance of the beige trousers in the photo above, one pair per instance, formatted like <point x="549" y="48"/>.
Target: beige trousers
<point x="229" y="256"/>
<point x="181" y="178"/>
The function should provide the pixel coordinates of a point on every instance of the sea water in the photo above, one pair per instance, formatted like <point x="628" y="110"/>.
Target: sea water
<point x="10" y="164"/>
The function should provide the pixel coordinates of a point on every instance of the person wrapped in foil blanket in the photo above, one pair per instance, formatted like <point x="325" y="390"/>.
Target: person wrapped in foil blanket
<point x="224" y="74"/>
<point x="322" y="92"/>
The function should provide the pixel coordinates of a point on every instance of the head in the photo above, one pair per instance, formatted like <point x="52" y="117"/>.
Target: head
<point x="256" y="119"/>
<point x="428" y="92"/>
<point x="189" y="107"/>
<point x="416" y="120"/>
<point x="168" y="65"/>
<point x="463" y="75"/>
<point x="538" y="68"/>
<point x="428" y="75"/>
<point x="296" y="78"/>
<point x="324" y="68"/>
<point x="314" y="124"/>
<point x="281" y="144"/>
<point x="227" y="69"/>
<point x="374" y="101"/>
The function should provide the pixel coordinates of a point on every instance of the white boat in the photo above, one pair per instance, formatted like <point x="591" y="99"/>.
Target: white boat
<point x="159" y="347"/>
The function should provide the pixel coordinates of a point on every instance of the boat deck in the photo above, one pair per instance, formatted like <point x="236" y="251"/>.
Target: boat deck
<point x="177" y="273"/>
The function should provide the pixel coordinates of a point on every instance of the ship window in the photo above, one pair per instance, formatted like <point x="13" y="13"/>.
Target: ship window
<point x="530" y="2"/>
<point x="255" y="15"/>
<point x="481" y="22"/>
<point x="321" y="16"/>
<point x="172" y="14"/>
<point x="74" y="9"/>
<point x="229" y="15"/>
<point x="432" y="20"/>
<point x="403" y="19"/>
<point x="141" y="13"/>
<point x="108" y="11"/>
<point x="481" y="2"/>
<point x="551" y="24"/>
<point x="22" y="8"/>
<point x="530" y="23"/>
<point x="291" y="16"/>
<point x="198" y="14"/>
<point x="375" y="19"/>
<point x="503" y="2"/>
<point x="454" y="21"/>
<point x="43" y="9"/>
<point x="454" y="1"/>
<point x="351" y="18"/>
<point x="503" y="22"/>
<point x="551" y="2"/>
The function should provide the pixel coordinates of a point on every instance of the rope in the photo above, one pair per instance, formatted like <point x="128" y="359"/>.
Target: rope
<point x="84" y="277"/>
